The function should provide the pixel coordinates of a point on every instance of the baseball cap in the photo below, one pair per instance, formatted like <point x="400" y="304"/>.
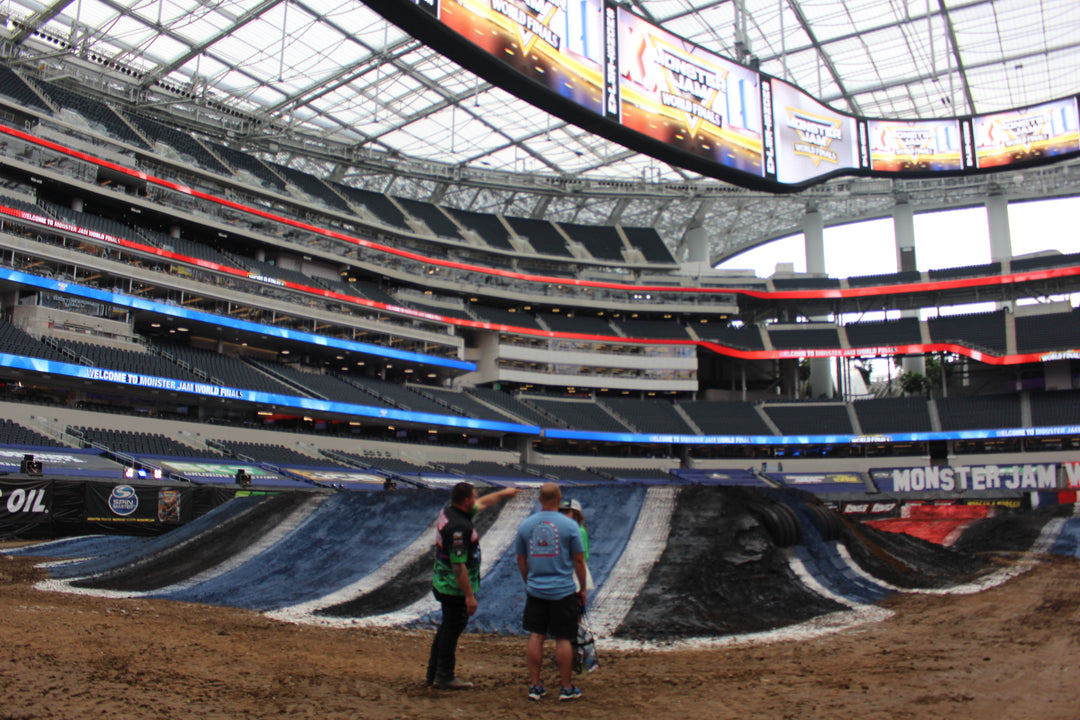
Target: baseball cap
<point x="570" y="505"/>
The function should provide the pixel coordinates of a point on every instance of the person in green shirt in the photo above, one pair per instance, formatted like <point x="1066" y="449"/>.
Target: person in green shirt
<point x="456" y="578"/>
<point x="573" y="509"/>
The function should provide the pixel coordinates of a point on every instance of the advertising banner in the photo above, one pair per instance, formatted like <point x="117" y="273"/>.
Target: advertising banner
<point x="24" y="504"/>
<point x="964" y="478"/>
<point x="135" y="504"/>
<point x="60" y="461"/>
<point x="837" y="482"/>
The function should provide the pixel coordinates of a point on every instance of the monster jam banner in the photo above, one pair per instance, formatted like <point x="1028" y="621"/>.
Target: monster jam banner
<point x="136" y="504"/>
<point x="24" y="504"/>
<point x="965" y="478"/>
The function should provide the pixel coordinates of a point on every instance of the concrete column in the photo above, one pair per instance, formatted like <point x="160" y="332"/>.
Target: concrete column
<point x="997" y="216"/>
<point x="697" y="245"/>
<point x="821" y="373"/>
<point x="814" y="240"/>
<point x="904" y="233"/>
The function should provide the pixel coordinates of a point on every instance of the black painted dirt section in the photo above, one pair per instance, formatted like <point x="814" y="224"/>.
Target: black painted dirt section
<point x="207" y="550"/>
<point x="1009" y="530"/>
<point x="411" y="584"/>
<point x="720" y="574"/>
<point x="906" y="561"/>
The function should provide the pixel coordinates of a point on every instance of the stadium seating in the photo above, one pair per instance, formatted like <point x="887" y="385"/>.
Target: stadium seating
<point x="541" y="234"/>
<point x="138" y="443"/>
<point x="893" y="415"/>
<point x="718" y="417"/>
<point x="12" y="433"/>
<point x="984" y="330"/>
<point x="794" y="339"/>
<point x="271" y="454"/>
<point x="580" y="414"/>
<point x="979" y="413"/>
<point x="1049" y="409"/>
<point x="810" y="418"/>
<point x="649" y="415"/>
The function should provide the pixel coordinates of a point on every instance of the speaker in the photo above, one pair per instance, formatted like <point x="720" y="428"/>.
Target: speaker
<point x="30" y="466"/>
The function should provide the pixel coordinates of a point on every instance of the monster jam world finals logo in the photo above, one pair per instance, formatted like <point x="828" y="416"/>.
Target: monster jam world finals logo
<point x="533" y="23"/>
<point x="816" y="134"/>
<point x="1022" y="130"/>
<point x="910" y="142"/>
<point x="693" y="86"/>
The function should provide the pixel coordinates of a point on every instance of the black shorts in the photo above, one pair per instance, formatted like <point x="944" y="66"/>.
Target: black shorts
<point x="552" y="618"/>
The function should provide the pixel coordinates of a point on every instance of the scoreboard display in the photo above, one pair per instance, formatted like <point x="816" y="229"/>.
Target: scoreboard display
<point x="558" y="45"/>
<point x="680" y="94"/>
<point x="597" y="65"/>
<point x="907" y="146"/>
<point x="811" y="140"/>
<point x="1034" y="133"/>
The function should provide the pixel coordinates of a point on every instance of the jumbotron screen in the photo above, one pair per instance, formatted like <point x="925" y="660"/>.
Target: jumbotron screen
<point x="811" y="139"/>
<point x="599" y="66"/>
<point x="559" y="45"/>
<point x="1034" y="133"/>
<point x="676" y="92"/>
<point x="914" y="145"/>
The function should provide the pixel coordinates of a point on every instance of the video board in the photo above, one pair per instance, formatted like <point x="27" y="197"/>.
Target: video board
<point x="597" y="65"/>
<point x="556" y="44"/>
<point x="811" y="139"/>
<point x="1034" y="133"/>
<point x="905" y="146"/>
<point x="684" y="96"/>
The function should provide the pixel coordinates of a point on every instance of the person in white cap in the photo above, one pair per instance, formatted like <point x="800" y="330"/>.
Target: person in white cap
<point x="572" y="508"/>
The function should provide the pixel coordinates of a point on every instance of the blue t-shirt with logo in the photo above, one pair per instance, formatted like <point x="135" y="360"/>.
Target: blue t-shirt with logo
<point x="549" y="540"/>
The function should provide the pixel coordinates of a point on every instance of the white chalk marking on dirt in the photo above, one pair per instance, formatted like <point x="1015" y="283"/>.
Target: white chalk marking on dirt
<point x="497" y="540"/>
<point x="647" y="542"/>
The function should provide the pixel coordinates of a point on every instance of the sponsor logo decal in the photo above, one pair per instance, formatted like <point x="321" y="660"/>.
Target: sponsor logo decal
<point x="123" y="501"/>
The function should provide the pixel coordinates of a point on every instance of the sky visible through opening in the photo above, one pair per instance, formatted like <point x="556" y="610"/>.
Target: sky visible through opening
<point x="951" y="238"/>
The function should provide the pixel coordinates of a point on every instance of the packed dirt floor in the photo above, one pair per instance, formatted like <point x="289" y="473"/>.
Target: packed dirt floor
<point x="1008" y="652"/>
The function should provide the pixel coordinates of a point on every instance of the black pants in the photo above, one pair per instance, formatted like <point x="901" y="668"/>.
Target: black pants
<point x="444" y="647"/>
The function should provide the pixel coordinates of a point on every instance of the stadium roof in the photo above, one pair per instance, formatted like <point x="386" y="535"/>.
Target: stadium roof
<point x="328" y="86"/>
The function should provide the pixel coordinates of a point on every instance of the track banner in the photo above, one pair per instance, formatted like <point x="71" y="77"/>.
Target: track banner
<point x="24" y="504"/>
<point x="136" y="504"/>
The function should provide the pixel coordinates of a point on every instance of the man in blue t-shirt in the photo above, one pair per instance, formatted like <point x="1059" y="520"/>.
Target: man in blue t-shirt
<point x="549" y="554"/>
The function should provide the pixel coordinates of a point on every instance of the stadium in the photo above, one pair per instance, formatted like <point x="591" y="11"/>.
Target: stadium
<point x="277" y="275"/>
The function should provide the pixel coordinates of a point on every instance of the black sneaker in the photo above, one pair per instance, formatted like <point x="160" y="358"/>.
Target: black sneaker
<point x="536" y="692"/>
<point x="570" y="693"/>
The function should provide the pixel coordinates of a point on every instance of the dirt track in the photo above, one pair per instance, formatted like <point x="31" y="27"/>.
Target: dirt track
<point x="1008" y="652"/>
